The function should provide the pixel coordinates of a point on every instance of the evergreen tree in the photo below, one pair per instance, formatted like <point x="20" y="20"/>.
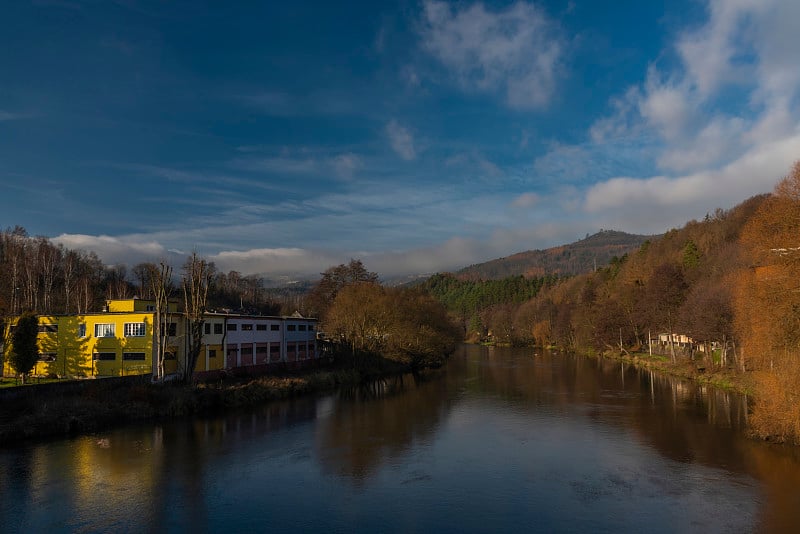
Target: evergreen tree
<point x="24" y="351"/>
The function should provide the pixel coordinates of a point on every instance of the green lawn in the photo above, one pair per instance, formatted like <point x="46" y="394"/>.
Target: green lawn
<point x="31" y="381"/>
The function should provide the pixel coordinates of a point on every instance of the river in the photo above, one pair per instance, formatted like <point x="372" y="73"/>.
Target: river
<point x="499" y="440"/>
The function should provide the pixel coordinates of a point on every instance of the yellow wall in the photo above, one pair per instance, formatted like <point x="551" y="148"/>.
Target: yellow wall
<point x="74" y="353"/>
<point x="214" y="363"/>
<point x="136" y="305"/>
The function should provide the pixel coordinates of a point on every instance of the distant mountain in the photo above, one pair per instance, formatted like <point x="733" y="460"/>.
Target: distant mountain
<point x="576" y="258"/>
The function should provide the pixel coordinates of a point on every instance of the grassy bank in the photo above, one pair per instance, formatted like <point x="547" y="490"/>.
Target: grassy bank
<point x="41" y="412"/>
<point x="722" y="378"/>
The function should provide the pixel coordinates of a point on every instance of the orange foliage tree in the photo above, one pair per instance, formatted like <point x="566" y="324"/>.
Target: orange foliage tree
<point x="767" y="306"/>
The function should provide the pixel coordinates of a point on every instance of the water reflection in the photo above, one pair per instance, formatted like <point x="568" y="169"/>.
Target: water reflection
<point x="378" y="423"/>
<point x="497" y="439"/>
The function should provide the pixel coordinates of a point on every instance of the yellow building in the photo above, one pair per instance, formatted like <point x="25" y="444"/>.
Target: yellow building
<point x="116" y="342"/>
<point x="120" y="341"/>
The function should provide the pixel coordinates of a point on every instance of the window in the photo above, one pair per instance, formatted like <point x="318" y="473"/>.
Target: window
<point x="134" y="329"/>
<point x="150" y="308"/>
<point x="104" y="356"/>
<point x="47" y="357"/>
<point x="173" y="329"/>
<point x="274" y="327"/>
<point x="231" y="327"/>
<point x="291" y="327"/>
<point x="247" y="327"/>
<point x="212" y="353"/>
<point x="48" y="328"/>
<point x="302" y="328"/>
<point x="105" y="330"/>
<point x="133" y="356"/>
<point x="82" y="330"/>
<point x="217" y="328"/>
<point x="207" y="328"/>
<point x="261" y="327"/>
<point x="311" y="328"/>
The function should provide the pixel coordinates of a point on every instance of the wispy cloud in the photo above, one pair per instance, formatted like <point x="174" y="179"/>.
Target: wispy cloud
<point x="309" y="162"/>
<point x="526" y="200"/>
<point x="278" y="165"/>
<point x="323" y="102"/>
<point x="114" y="250"/>
<point x="401" y="140"/>
<point x="12" y="116"/>
<point x="475" y="164"/>
<point x="346" y="165"/>
<point x="517" y="50"/>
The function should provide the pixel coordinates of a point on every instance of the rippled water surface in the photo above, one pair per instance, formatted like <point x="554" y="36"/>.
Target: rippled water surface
<point x="499" y="440"/>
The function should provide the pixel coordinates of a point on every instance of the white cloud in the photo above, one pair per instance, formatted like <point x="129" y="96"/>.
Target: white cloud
<point x="274" y="261"/>
<point x="756" y="171"/>
<point x="401" y="140"/>
<point x="516" y="50"/>
<point x="113" y="250"/>
<point x="718" y="140"/>
<point x="666" y="108"/>
<point x="722" y="125"/>
<point x="526" y="200"/>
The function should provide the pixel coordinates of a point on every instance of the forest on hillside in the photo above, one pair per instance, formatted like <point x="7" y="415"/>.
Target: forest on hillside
<point x="565" y="260"/>
<point x="723" y="291"/>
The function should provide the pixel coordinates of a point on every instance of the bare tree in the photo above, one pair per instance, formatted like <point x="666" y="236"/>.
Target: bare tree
<point x="141" y="273"/>
<point x="14" y="259"/>
<point x="117" y="286"/>
<point x="197" y="276"/>
<point x="162" y="287"/>
<point x="49" y="261"/>
<point x="70" y="267"/>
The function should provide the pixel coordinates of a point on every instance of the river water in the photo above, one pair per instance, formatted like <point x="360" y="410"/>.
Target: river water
<point x="500" y="440"/>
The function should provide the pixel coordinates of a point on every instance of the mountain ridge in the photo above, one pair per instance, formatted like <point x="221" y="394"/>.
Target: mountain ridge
<point x="582" y="256"/>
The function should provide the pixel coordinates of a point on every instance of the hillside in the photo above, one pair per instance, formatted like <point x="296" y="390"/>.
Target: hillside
<point x="575" y="258"/>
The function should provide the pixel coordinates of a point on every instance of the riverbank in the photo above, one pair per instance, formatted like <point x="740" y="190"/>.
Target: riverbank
<point x="727" y="379"/>
<point x="37" y="412"/>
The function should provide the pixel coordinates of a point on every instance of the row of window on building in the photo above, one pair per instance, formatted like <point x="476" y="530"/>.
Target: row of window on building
<point x="140" y="329"/>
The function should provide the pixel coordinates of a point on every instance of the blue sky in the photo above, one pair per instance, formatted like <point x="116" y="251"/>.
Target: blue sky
<point x="282" y="138"/>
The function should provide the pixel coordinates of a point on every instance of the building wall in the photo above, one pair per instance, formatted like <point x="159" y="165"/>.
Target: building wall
<point x="137" y="305"/>
<point x="97" y="344"/>
<point x="255" y="340"/>
<point x="100" y="344"/>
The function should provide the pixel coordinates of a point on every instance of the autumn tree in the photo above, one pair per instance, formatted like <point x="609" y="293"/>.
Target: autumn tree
<point x="24" y="349"/>
<point x="707" y="315"/>
<point x="333" y="280"/>
<point x="421" y="333"/>
<point x="768" y="308"/>
<point x="398" y="324"/>
<point x="358" y="320"/>
<point x="665" y="293"/>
